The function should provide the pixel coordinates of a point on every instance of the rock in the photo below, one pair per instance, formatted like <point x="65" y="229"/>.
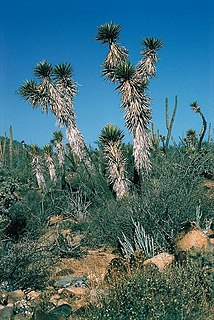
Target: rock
<point x="54" y="299"/>
<point x="15" y="296"/>
<point x="41" y="315"/>
<point x="23" y="307"/>
<point x="191" y="237"/>
<point x="160" y="261"/>
<point x="65" y="282"/>
<point x="33" y="295"/>
<point x="20" y="317"/>
<point x="63" y="310"/>
<point x="71" y="291"/>
<point x="6" y="312"/>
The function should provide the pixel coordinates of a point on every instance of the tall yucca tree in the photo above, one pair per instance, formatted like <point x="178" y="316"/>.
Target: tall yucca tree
<point x="111" y="139"/>
<point x="132" y="84"/>
<point x="68" y="89"/>
<point x="136" y="105"/>
<point x="57" y="141"/>
<point x="48" y="154"/>
<point x="197" y="109"/>
<point x="109" y="33"/>
<point x="37" y="166"/>
<point x="55" y="91"/>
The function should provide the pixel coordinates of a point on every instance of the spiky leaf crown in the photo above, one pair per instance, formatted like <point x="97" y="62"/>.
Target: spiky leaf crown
<point x="151" y="44"/>
<point x="43" y="70"/>
<point x="110" y="133"/>
<point x="108" y="33"/>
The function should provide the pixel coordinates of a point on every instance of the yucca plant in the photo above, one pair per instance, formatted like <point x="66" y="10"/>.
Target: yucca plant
<point x="197" y="109"/>
<point x="146" y="68"/>
<point x="55" y="90"/>
<point x="57" y="141"/>
<point x="137" y="114"/>
<point x="37" y="166"/>
<point x="111" y="141"/>
<point x="132" y="82"/>
<point x="109" y="33"/>
<point x="191" y="140"/>
<point x="48" y="154"/>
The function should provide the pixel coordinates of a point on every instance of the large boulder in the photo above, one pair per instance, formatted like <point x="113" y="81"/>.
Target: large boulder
<point x="191" y="236"/>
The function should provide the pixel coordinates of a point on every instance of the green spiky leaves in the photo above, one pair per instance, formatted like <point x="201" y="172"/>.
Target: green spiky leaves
<point x="124" y="71"/>
<point x="34" y="150"/>
<point x="29" y="91"/>
<point x="108" y="33"/>
<point x="151" y="44"/>
<point x="48" y="149"/>
<point x="63" y="70"/>
<point x="111" y="133"/>
<point x="195" y="106"/>
<point x="57" y="136"/>
<point x="43" y="70"/>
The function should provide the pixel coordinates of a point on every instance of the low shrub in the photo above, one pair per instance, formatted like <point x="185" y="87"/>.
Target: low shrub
<point x="24" y="265"/>
<point x="181" y="292"/>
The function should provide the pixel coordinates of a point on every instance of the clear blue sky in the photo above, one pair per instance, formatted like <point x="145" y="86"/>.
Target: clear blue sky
<point x="64" y="31"/>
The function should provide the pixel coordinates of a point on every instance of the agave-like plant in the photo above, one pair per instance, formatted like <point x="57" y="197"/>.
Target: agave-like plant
<point x="37" y="166"/>
<point x="48" y="154"/>
<point x="55" y="91"/>
<point x="111" y="141"/>
<point x="197" y="109"/>
<point x="57" y="141"/>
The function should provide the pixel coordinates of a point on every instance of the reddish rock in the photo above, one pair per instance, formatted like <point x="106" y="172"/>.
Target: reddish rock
<point x="191" y="237"/>
<point x="160" y="261"/>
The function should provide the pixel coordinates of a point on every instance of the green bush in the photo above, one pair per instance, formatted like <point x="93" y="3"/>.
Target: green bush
<point x="181" y="292"/>
<point x="169" y="196"/>
<point x="24" y="265"/>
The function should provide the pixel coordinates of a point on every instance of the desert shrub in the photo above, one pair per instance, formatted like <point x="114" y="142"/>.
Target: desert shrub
<point x="24" y="265"/>
<point x="181" y="292"/>
<point x="169" y="196"/>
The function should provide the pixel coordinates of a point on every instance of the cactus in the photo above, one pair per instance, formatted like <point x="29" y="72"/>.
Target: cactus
<point x="197" y="109"/>
<point x="11" y="147"/>
<point x="3" y="148"/>
<point x="209" y="133"/>
<point x="170" y="124"/>
<point x="155" y="136"/>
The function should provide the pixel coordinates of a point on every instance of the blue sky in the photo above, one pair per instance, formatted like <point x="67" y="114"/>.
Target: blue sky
<point x="64" y="31"/>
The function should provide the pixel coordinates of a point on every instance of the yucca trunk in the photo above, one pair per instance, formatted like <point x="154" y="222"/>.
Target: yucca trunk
<point x="137" y="118"/>
<point x="51" y="167"/>
<point x="76" y="141"/>
<point x="111" y="140"/>
<point x="37" y="167"/>
<point x="60" y="153"/>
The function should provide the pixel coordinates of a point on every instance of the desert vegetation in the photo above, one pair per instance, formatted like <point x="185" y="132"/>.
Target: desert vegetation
<point x="131" y="197"/>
